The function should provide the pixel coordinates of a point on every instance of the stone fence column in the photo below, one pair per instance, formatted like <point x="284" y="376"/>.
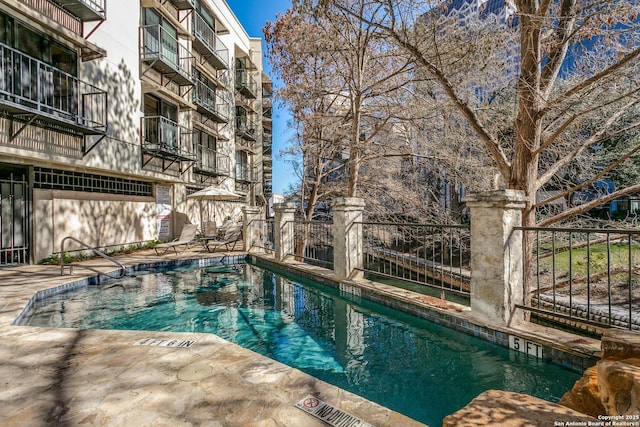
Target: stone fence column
<point x="347" y="236"/>
<point x="252" y="225"/>
<point x="284" y="214"/>
<point x="497" y="255"/>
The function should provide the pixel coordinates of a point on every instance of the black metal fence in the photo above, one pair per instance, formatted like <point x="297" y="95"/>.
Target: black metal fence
<point x="433" y="255"/>
<point x="587" y="275"/>
<point x="312" y="242"/>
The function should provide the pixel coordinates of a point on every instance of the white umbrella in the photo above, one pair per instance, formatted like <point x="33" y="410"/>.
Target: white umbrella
<point x="213" y="193"/>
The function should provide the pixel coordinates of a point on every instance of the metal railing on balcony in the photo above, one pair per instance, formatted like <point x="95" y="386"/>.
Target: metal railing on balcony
<point x="86" y="10"/>
<point x="164" y="53"/>
<point x="588" y="276"/>
<point x="166" y="139"/>
<point x="208" y="43"/>
<point x="29" y="86"/>
<point x="211" y="162"/>
<point x="246" y="128"/>
<point x="244" y="173"/>
<point x="49" y="9"/>
<point x="246" y="84"/>
<point x="210" y="104"/>
<point x="437" y="256"/>
<point x="267" y="139"/>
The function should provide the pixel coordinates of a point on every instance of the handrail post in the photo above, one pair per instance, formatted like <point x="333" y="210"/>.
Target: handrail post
<point x="123" y="269"/>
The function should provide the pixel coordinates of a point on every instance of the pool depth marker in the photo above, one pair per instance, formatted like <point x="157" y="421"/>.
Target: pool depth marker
<point x="330" y="414"/>
<point x="165" y="343"/>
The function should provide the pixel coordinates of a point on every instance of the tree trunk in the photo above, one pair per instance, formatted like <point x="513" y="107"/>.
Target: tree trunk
<point x="528" y="127"/>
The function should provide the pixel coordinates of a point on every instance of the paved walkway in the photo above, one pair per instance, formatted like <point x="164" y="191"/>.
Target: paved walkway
<point x="69" y="377"/>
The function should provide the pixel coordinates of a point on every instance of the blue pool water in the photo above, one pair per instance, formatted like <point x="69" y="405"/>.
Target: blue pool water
<point x="413" y="366"/>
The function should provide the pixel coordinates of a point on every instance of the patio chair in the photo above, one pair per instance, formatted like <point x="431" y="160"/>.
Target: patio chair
<point x="187" y="236"/>
<point x="226" y="237"/>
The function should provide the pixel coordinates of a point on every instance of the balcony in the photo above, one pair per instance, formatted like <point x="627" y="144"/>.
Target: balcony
<point x="184" y="4"/>
<point x="208" y="44"/>
<point x="267" y="139"/>
<point x="245" y="84"/>
<point x="245" y="128"/>
<point x="66" y="23"/>
<point x="246" y="177"/>
<point x="244" y="173"/>
<point x="212" y="163"/>
<point x="163" y="138"/>
<point x="210" y="104"/>
<point x="86" y="10"/>
<point x="31" y="90"/>
<point x="162" y="52"/>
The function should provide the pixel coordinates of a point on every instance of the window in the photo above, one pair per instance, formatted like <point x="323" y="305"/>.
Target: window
<point x="27" y="40"/>
<point x="242" y="166"/>
<point x="204" y="146"/>
<point x="205" y="14"/>
<point x="161" y="125"/>
<point x="161" y="38"/>
<point x="53" y="179"/>
<point x="241" y="118"/>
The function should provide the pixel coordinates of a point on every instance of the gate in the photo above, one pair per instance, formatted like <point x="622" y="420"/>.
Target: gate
<point x="14" y="219"/>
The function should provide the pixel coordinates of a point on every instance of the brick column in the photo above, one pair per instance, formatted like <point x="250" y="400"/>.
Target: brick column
<point x="252" y="226"/>
<point x="497" y="255"/>
<point x="283" y="230"/>
<point x="347" y="236"/>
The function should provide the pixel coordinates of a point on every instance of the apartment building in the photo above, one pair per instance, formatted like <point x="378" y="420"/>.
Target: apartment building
<point x="113" y="111"/>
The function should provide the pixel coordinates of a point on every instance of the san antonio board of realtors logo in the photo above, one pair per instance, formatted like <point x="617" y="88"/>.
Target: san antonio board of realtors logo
<point x="330" y="414"/>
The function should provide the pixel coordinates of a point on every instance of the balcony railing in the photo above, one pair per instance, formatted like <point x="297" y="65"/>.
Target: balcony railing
<point x="246" y="84"/>
<point x="210" y="104"/>
<point x="267" y="139"/>
<point x="86" y="10"/>
<point x="166" y="139"/>
<point x="245" y="173"/>
<point x="245" y="128"/>
<point x="211" y="162"/>
<point x="208" y="44"/>
<point x="161" y="51"/>
<point x="48" y="9"/>
<point x="29" y="86"/>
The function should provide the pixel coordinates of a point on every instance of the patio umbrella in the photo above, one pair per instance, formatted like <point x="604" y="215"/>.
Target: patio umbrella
<point x="213" y="193"/>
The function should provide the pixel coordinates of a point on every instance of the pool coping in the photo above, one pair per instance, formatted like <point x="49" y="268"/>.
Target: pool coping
<point x="555" y="346"/>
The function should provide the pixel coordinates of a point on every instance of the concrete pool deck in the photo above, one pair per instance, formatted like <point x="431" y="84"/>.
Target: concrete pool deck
<point x="70" y="377"/>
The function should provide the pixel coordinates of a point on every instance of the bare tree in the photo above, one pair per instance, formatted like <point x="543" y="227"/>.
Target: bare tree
<point x="356" y="90"/>
<point x="576" y="62"/>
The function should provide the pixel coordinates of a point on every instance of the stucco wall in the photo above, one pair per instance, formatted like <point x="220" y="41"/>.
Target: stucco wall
<point x="96" y="219"/>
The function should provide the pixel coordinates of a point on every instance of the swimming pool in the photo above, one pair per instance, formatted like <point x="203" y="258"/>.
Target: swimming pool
<point x="410" y="365"/>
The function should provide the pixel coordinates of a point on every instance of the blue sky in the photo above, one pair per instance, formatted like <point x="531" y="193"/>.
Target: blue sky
<point x="253" y="15"/>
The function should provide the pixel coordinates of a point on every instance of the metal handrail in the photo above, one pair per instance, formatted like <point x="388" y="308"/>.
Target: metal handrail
<point x="123" y="269"/>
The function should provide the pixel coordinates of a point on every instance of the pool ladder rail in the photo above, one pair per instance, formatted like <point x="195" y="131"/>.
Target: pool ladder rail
<point x="123" y="269"/>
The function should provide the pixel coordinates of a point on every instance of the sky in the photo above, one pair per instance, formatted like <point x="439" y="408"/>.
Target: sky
<point x="253" y="15"/>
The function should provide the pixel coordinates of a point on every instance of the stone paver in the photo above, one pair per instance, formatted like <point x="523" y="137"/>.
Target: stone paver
<point x="69" y="377"/>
